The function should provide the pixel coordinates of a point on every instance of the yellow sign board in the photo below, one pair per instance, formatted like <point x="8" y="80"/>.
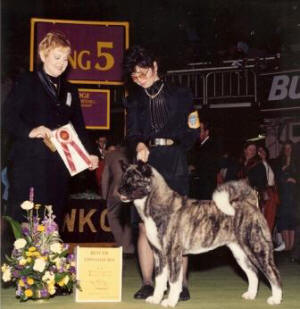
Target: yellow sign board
<point x="99" y="274"/>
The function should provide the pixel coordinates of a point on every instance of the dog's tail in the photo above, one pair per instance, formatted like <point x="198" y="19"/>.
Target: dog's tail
<point x="229" y="195"/>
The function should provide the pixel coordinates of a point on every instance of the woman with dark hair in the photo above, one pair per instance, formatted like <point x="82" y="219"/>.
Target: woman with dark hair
<point x="270" y="196"/>
<point x="161" y="127"/>
<point x="287" y="175"/>
<point x="40" y="102"/>
<point x="252" y="169"/>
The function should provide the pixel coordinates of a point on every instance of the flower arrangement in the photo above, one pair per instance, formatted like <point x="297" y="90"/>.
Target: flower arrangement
<point x="39" y="264"/>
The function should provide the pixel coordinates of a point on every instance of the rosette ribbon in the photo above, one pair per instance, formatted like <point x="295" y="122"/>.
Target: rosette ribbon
<point x="64" y="137"/>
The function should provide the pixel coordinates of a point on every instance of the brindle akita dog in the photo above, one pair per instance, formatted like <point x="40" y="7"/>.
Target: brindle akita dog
<point x="177" y="225"/>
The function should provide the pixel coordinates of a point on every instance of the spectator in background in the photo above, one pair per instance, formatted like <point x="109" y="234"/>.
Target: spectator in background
<point x="117" y="213"/>
<point x="203" y="163"/>
<point x="287" y="176"/>
<point x="252" y="169"/>
<point x="228" y="167"/>
<point x="102" y="145"/>
<point x="101" y="151"/>
<point x="40" y="102"/>
<point x="270" y="195"/>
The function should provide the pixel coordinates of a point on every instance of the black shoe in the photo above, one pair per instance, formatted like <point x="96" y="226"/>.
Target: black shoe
<point x="144" y="292"/>
<point x="185" y="294"/>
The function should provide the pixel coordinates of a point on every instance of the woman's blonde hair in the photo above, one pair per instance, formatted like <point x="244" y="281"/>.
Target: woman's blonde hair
<point x="52" y="40"/>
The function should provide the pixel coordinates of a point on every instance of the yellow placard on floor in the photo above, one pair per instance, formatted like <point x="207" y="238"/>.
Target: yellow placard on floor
<point x="99" y="274"/>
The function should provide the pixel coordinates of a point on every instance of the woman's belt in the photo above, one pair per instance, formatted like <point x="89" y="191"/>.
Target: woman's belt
<point x="161" y="142"/>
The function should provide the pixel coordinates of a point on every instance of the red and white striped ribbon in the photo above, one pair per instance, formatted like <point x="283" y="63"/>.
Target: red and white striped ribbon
<point x="64" y="137"/>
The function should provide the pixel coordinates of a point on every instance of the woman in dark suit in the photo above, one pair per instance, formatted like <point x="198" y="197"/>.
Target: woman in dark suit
<point x="161" y="127"/>
<point x="39" y="102"/>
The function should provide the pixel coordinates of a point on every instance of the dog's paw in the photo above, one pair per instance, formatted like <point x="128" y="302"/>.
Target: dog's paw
<point x="167" y="302"/>
<point x="249" y="295"/>
<point x="272" y="300"/>
<point x="153" y="300"/>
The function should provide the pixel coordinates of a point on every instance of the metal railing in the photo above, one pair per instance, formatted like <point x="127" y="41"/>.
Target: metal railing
<point x="230" y="86"/>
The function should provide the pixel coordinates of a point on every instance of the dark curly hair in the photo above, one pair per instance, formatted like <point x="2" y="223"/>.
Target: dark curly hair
<point x="137" y="56"/>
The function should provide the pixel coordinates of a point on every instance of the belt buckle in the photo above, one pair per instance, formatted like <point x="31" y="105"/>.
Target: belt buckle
<point x="162" y="142"/>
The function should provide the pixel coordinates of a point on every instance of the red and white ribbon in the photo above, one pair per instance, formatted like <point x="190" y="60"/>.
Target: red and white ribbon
<point x="64" y="137"/>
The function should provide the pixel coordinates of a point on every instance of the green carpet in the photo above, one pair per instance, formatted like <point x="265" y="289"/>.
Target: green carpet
<point x="215" y="282"/>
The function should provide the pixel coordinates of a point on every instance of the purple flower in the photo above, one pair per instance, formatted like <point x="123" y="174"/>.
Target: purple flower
<point x="19" y="292"/>
<point x="51" y="228"/>
<point x="25" y="231"/>
<point x="72" y="270"/>
<point x="44" y="293"/>
<point x="16" y="273"/>
<point x="70" y="257"/>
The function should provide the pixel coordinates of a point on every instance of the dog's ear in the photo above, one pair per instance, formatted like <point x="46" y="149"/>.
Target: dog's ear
<point x="144" y="168"/>
<point x="124" y="165"/>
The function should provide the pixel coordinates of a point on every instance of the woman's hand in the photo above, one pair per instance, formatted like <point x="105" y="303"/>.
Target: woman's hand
<point x="40" y="132"/>
<point x="293" y="180"/>
<point x="142" y="152"/>
<point x="95" y="162"/>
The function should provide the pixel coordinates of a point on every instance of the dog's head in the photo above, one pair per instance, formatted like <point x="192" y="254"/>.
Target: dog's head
<point x="136" y="181"/>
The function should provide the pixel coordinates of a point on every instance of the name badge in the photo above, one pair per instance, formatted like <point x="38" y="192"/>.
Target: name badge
<point x="193" y="120"/>
<point x="69" y="99"/>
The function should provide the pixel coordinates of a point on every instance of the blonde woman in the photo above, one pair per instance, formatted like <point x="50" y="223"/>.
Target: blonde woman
<point x="38" y="103"/>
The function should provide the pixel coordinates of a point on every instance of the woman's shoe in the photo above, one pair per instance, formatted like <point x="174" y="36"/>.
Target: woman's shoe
<point x="185" y="294"/>
<point x="281" y="247"/>
<point x="144" y="292"/>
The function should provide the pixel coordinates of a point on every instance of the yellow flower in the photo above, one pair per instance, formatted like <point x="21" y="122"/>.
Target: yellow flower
<point x="4" y="267"/>
<point x="37" y="206"/>
<point x="22" y="261"/>
<point x="28" y="293"/>
<point x="36" y="253"/>
<point x="64" y="281"/>
<point x="31" y="249"/>
<point x="51" y="289"/>
<point x="40" y="228"/>
<point x="30" y="281"/>
<point x="49" y="277"/>
<point x="21" y="283"/>
<point x="44" y="257"/>
<point x="27" y="253"/>
<point x="28" y="260"/>
<point x="6" y="275"/>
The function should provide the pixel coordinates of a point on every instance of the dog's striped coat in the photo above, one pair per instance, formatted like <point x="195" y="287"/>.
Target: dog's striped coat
<point x="176" y="225"/>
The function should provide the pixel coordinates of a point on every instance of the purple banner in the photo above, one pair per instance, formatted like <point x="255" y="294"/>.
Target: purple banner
<point x="97" y="48"/>
<point x="95" y="105"/>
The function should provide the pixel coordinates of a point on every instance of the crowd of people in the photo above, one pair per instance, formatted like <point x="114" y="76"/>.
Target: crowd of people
<point x="162" y="128"/>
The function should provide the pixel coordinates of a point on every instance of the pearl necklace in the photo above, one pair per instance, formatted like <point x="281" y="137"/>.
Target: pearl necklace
<point x="152" y="96"/>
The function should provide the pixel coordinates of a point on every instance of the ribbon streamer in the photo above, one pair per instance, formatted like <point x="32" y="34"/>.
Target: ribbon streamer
<point x="65" y="139"/>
